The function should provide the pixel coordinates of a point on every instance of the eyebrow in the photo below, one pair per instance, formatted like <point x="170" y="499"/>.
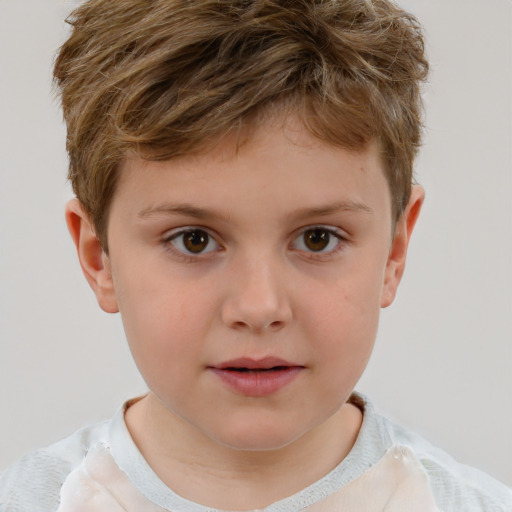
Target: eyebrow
<point x="178" y="209"/>
<point x="329" y="209"/>
<point x="197" y="212"/>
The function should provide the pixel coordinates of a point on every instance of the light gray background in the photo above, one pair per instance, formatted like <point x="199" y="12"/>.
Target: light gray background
<point x="443" y="362"/>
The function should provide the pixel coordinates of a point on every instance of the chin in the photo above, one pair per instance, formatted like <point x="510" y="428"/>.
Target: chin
<point x="263" y="437"/>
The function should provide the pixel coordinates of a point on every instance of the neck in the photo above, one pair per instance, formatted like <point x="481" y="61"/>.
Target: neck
<point x="206" y="472"/>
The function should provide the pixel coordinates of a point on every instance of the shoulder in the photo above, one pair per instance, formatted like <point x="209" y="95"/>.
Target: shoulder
<point x="34" y="481"/>
<point x="455" y="486"/>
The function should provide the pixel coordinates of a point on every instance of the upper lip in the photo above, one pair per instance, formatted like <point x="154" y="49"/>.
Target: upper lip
<point x="264" y="363"/>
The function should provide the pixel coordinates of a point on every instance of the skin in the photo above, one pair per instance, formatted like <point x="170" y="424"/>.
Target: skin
<point x="257" y="290"/>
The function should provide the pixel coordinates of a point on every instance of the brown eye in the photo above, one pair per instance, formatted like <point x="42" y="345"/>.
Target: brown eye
<point x="317" y="239"/>
<point x="193" y="241"/>
<point x="196" y="241"/>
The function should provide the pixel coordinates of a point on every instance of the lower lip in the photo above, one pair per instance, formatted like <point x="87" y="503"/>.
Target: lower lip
<point x="258" y="383"/>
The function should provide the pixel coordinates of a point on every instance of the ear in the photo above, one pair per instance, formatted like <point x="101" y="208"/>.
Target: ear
<point x="397" y="255"/>
<point x="94" y="261"/>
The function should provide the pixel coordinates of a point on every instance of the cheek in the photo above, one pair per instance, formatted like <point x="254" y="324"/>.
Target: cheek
<point x="163" y="323"/>
<point x="344" y="323"/>
<point x="347" y="328"/>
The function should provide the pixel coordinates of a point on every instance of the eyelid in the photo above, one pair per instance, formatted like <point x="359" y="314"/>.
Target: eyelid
<point x="340" y="235"/>
<point x="174" y="234"/>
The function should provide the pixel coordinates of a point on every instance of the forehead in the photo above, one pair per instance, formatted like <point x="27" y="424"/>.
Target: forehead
<point x="278" y="164"/>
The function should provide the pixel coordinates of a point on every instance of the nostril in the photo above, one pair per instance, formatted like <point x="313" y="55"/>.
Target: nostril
<point x="278" y="324"/>
<point x="273" y="326"/>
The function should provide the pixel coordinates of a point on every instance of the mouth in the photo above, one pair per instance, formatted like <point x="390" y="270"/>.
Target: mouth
<point x="256" y="370"/>
<point x="257" y="377"/>
<point x="247" y="364"/>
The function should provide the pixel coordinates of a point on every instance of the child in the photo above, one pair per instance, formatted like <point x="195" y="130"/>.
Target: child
<point x="244" y="199"/>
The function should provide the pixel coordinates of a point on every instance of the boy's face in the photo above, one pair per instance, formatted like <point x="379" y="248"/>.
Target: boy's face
<point x="275" y="258"/>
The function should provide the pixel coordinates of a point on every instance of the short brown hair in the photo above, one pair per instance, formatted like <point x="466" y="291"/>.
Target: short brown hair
<point x="163" y="77"/>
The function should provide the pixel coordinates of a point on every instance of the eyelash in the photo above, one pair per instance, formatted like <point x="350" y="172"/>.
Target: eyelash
<point x="194" y="258"/>
<point x="188" y="257"/>
<point x="341" y="242"/>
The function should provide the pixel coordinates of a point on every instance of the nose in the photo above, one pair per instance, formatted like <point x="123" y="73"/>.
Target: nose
<point x="257" y="298"/>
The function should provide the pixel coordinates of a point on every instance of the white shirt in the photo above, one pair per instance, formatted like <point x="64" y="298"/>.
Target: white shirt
<point x="99" y="469"/>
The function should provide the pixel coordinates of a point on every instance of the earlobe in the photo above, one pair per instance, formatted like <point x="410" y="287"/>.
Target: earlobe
<point x="396" y="260"/>
<point x="93" y="260"/>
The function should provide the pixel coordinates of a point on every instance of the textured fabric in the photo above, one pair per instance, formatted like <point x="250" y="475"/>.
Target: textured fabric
<point x="396" y="481"/>
<point x="99" y="485"/>
<point x="389" y="469"/>
<point x="32" y="484"/>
